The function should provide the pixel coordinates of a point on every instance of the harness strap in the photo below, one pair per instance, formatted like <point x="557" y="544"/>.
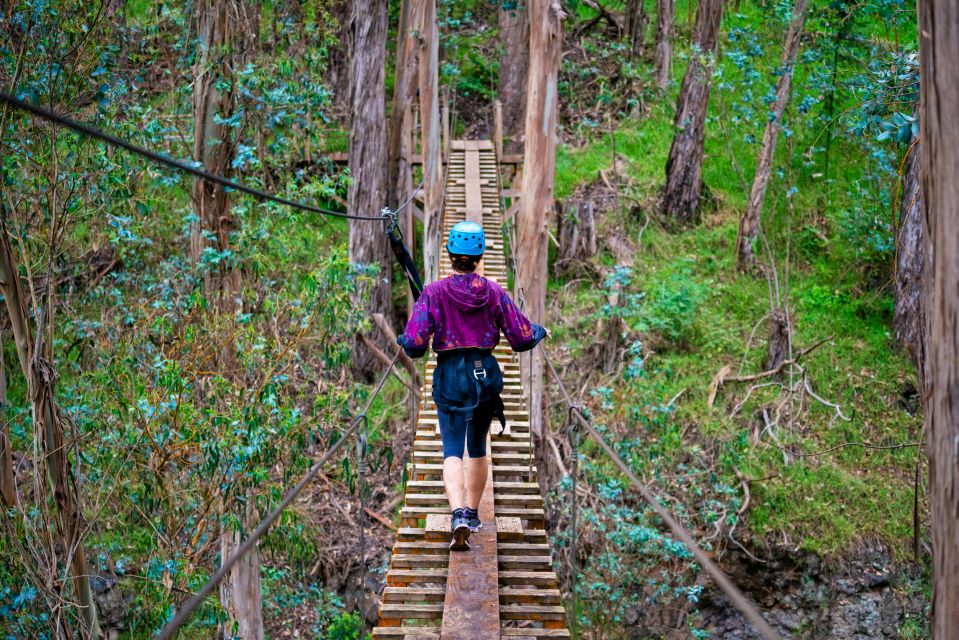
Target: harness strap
<point x="403" y="257"/>
<point x="478" y="372"/>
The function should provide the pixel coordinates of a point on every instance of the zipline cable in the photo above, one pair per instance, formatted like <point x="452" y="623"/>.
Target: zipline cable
<point x="183" y="614"/>
<point x="178" y="165"/>
<point x="739" y="599"/>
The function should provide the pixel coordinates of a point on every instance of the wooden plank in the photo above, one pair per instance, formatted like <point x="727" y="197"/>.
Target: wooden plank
<point x="509" y="529"/>
<point x="523" y="633"/>
<point x="531" y="578"/>
<point x="404" y="633"/>
<point x="438" y="526"/>
<point x="522" y="595"/>
<point x="414" y="594"/>
<point x="472" y="589"/>
<point x="474" y="197"/>
<point x="532" y="612"/>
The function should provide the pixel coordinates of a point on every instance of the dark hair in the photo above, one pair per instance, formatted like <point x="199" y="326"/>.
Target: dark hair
<point x="464" y="263"/>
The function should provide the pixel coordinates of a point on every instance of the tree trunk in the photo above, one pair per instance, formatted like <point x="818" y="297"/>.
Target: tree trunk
<point x="613" y="329"/>
<point x="939" y="138"/>
<point x="684" y="179"/>
<point x="513" y="68"/>
<point x="367" y="190"/>
<point x="532" y="219"/>
<point x="8" y="489"/>
<point x="404" y="87"/>
<point x="909" y="321"/>
<point x="663" y="58"/>
<point x="38" y="371"/>
<point x="340" y="56"/>
<point x="430" y="142"/>
<point x="227" y="43"/>
<point x="749" y="223"/>
<point x="240" y="590"/>
<point x="635" y="26"/>
<point x="577" y="235"/>
<point x="778" y="350"/>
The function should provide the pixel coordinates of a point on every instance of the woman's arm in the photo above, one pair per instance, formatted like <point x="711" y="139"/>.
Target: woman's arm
<point x="415" y="339"/>
<point x="520" y="332"/>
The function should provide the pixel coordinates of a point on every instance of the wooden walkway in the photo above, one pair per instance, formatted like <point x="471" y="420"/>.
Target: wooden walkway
<point x="505" y="586"/>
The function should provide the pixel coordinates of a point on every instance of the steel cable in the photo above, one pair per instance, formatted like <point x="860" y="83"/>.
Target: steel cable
<point x="191" y="605"/>
<point x="739" y="600"/>
<point x="179" y="165"/>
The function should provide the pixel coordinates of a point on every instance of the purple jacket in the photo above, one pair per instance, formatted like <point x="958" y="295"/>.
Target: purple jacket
<point x="463" y="311"/>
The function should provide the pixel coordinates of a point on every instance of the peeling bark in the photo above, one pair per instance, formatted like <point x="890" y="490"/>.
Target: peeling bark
<point x="577" y="234"/>
<point x="404" y="88"/>
<point x="430" y="143"/>
<point x="663" y="57"/>
<point x="35" y="363"/>
<point x="368" y="176"/>
<point x="939" y="138"/>
<point x="513" y="70"/>
<point x="684" y="180"/>
<point x="909" y="321"/>
<point x="749" y="223"/>
<point x="532" y="220"/>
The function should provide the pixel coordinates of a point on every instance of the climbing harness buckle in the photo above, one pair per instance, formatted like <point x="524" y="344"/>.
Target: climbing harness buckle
<point x="479" y="371"/>
<point x="389" y="221"/>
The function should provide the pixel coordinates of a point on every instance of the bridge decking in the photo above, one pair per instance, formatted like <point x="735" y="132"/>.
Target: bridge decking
<point x="505" y="586"/>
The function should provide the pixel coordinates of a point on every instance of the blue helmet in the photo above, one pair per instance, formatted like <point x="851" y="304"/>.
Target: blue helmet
<point x="467" y="238"/>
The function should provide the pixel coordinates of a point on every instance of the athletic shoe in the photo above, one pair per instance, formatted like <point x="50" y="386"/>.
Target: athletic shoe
<point x="472" y="515"/>
<point x="460" y="528"/>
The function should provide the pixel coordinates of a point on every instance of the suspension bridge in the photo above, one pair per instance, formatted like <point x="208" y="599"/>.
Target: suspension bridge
<point x="505" y="586"/>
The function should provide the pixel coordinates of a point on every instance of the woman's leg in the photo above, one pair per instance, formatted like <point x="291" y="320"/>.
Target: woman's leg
<point x="453" y="433"/>
<point x="478" y="469"/>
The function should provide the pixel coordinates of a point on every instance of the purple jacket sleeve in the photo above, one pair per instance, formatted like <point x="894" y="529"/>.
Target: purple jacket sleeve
<point x="416" y="337"/>
<point x="521" y="334"/>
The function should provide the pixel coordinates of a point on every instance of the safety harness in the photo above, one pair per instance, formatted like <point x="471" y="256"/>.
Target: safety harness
<point x="469" y="365"/>
<point x="402" y="254"/>
<point x="470" y="362"/>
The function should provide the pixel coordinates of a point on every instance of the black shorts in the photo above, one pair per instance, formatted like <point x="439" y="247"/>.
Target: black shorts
<point x="458" y="434"/>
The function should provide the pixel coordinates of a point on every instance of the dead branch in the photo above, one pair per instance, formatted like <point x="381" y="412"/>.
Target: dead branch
<point x="385" y="359"/>
<point x="380" y="320"/>
<point x="722" y="376"/>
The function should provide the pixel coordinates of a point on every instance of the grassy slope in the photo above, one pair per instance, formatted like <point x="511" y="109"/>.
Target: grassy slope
<point x="824" y="503"/>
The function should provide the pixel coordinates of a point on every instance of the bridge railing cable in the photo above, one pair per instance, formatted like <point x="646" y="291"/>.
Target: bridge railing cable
<point x="741" y="602"/>
<point x="178" y="165"/>
<point x="190" y="606"/>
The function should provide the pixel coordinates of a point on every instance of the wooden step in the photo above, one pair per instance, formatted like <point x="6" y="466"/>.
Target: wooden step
<point x="522" y="595"/>
<point x="407" y="633"/>
<point x="416" y="594"/>
<point x="530" y="578"/>
<point x="528" y="632"/>
<point x="398" y="577"/>
<point x="406" y="611"/>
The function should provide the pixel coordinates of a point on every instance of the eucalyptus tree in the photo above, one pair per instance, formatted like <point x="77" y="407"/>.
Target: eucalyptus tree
<point x="939" y="137"/>
<point x="367" y="193"/>
<point x="226" y="43"/>
<point x="750" y="221"/>
<point x="513" y="19"/>
<point x="684" y="167"/>
<point x="663" y="56"/>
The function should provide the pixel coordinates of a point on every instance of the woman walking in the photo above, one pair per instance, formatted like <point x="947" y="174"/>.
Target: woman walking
<point x="465" y="313"/>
